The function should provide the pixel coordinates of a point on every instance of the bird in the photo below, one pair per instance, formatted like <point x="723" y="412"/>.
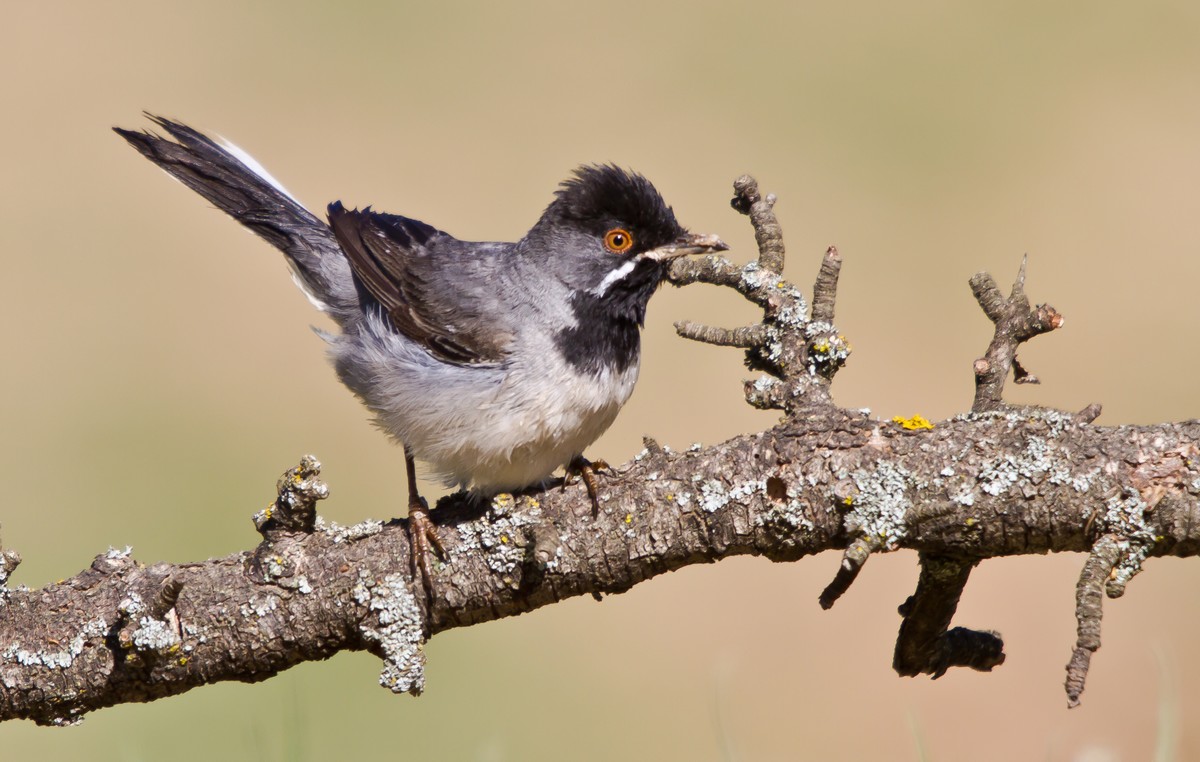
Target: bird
<point x="492" y="363"/>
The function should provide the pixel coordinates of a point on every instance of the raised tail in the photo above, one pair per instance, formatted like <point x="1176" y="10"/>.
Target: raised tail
<point x="236" y="184"/>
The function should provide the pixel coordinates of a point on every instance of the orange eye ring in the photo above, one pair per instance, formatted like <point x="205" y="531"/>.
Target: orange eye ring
<point x="618" y="240"/>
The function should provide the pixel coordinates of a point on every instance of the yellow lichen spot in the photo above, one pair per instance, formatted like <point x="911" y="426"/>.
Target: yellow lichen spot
<point x="971" y="521"/>
<point x="848" y="501"/>
<point x="914" y="423"/>
<point x="173" y="649"/>
<point x="183" y="660"/>
<point x="504" y="539"/>
<point x="823" y="347"/>
<point x="629" y="518"/>
<point x="780" y="284"/>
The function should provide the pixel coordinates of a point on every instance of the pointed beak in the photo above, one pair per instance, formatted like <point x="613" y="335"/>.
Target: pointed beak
<point x="691" y="243"/>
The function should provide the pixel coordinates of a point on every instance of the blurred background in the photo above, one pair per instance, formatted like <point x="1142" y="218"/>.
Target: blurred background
<point x="160" y="373"/>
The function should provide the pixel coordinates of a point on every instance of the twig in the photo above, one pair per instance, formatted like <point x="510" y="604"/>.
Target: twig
<point x="1015" y="324"/>
<point x="800" y="350"/>
<point x="925" y="644"/>
<point x="1089" y="599"/>
<point x="825" y="288"/>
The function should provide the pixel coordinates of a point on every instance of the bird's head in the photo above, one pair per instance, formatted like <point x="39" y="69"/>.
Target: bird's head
<point x="609" y="236"/>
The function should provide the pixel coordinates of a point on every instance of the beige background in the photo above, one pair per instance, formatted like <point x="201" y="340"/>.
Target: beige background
<point x="159" y="372"/>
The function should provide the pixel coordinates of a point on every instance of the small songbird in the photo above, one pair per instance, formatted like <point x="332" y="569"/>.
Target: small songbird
<point x="494" y="363"/>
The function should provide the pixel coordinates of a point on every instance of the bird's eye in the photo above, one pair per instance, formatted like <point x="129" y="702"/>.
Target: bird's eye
<point x="618" y="240"/>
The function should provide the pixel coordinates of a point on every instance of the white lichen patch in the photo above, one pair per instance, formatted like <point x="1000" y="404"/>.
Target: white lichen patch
<point x="1029" y="465"/>
<point x="742" y="490"/>
<point x="396" y="628"/>
<point x="1056" y="421"/>
<point x="132" y="605"/>
<point x="964" y="498"/>
<point x="1125" y="517"/>
<point x="60" y="658"/>
<point x="762" y="391"/>
<point x="826" y="346"/>
<point x="765" y="383"/>
<point x="339" y="533"/>
<point x="1083" y="482"/>
<point x="713" y="496"/>
<point x="259" y="605"/>
<point x="1059" y="475"/>
<point x="996" y="477"/>
<point x="753" y="276"/>
<point x="303" y="585"/>
<point x="115" y="554"/>
<point x="794" y="312"/>
<point x="500" y="533"/>
<point x="773" y="343"/>
<point x="154" y="635"/>
<point x="789" y="516"/>
<point x="276" y="567"/>
<point x="194" y="633"/>
<point x="503" y="504"/>
<point x="881" y="503"/>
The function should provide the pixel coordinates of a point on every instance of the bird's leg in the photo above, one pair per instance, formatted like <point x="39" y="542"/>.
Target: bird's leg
<point x="586" y="470"/>
<point x="422" y="532"/>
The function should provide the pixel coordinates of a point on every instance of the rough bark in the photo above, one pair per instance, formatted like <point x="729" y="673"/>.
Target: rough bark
<point x="997" y="481"/>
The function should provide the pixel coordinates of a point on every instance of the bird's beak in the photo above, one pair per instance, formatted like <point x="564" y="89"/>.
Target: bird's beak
<point x="691" y="243"/>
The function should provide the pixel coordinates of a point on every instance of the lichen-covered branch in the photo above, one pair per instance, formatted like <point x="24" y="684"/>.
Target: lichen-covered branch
<point x="1031" y="482"/>
<point x="798" y="351"/>
<point x="996" y="482"/>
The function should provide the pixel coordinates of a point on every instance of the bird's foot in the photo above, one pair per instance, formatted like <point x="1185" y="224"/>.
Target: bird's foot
<point x="586" y="470"/>
<point x="423" y="542"/>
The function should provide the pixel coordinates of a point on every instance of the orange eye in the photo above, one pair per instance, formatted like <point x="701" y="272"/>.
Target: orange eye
<point x="618" y="240"/>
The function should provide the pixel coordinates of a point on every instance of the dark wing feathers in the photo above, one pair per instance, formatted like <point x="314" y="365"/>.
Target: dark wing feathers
<point x="396" y="261"/>
<point x="393" y="260"/>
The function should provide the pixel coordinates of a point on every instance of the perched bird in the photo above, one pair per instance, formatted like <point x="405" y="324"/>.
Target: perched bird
<point x="494" y="363"/>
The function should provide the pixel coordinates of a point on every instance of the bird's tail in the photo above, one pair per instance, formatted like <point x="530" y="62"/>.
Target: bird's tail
<point x="239" y="186"/>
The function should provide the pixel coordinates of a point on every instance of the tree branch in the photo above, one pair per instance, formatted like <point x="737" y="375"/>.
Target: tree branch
<point x="998" y="481"/>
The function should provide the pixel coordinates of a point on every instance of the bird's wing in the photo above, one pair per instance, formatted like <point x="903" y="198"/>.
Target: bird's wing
<point x="396" y="260"/>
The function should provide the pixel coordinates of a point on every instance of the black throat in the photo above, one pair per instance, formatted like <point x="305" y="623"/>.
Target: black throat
<point x="606" y="336"/>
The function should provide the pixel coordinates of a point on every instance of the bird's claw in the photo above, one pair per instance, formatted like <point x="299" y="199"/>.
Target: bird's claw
<point x="586" y="470"/>
<point x="423" y="542"/>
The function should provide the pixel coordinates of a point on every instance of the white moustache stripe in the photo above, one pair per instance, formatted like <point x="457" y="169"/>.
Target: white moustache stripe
<point x="615" y="276"/>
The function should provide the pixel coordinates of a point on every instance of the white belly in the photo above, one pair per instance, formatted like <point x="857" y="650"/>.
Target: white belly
<point x="494" y="429"/>
<point x="530" y="428"/>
